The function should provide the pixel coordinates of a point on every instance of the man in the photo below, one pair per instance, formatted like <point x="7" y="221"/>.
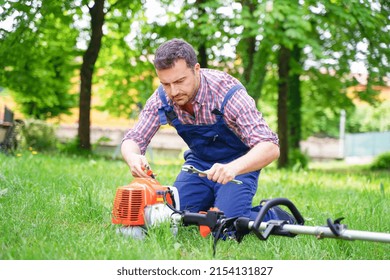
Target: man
<point x="215" y="116"/>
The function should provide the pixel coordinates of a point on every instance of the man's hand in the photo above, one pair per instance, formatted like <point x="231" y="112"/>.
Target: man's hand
<point x="258" y="157"/>
<point x="222" y="173"/>
<point x="138" y="163"/>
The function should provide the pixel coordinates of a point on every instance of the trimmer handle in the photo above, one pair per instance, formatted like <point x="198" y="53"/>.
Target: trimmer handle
<point x="210" y="218"/>
<point x="276" y="202"/>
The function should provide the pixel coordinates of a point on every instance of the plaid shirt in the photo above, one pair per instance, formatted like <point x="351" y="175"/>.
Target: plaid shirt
<point x="241" y="114"/>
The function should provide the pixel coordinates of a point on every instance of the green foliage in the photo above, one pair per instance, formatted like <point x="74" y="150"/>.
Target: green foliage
<point x="370" y="118"/>
<point x="298" y="160"/>
<point x="322" y="99"/>
<point x="72" y="148"/>
<point x="38" y="135"/>
<point x="126" y="81"/>
<point x="126" y="56"/>
<point x="331" y="35"/>
<point x="38" y="55"/>
<point x="381" y="162"/>
<point x="37" y="58"/>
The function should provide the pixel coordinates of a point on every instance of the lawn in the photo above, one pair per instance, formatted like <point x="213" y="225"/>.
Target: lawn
<point x="58" y="207"/>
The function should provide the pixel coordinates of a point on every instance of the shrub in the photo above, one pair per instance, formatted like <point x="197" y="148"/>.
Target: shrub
<point x="38" y="135"/>
<point x="72" y="147"/>
<point x="298" y="160"/>
<point x="381" y="162"/>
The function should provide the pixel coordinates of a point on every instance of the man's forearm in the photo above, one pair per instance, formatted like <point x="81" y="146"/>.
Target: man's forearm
<point x="133" y="157"/>
<point x="258" y="157"/>
<point x="129" y="148"/>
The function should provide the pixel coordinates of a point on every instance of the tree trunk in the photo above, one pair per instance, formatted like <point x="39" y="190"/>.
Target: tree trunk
<point x="254" y="58"/>
<point x="250" y="51"/>
<point x="248" y="46"/>
<point x="203" y="61"/>
<point x="283" y="71"/>
<point x="87" y="68"/>
<point x="259" y="70"/>
<point x="295" y="103"/>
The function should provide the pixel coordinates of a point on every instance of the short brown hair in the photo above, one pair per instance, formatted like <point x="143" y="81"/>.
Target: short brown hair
<point x="173" y="50"/>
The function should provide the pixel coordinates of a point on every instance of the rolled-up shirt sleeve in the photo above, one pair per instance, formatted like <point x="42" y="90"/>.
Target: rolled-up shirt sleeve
<point x="147" y="125"/>
<point x="247" y="121"/>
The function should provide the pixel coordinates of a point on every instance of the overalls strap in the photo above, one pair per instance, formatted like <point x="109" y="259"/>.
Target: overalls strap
<point x="166" y="112"/>
<point x="229" y="94"/>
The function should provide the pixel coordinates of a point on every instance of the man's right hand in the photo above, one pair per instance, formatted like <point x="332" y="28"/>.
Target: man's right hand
<point x="138" y="163"/>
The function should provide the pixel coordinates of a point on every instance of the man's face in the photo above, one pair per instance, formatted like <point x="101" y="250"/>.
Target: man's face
<point x="180" y="82"/>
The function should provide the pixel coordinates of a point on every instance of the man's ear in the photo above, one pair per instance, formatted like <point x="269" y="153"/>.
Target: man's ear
<point x="196" y="69"/>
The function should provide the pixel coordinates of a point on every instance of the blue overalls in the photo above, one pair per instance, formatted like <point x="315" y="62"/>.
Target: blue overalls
<point x="209" y="144"/>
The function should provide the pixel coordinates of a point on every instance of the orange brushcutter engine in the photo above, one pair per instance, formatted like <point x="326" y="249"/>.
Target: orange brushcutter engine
<point x="141" y="203"/>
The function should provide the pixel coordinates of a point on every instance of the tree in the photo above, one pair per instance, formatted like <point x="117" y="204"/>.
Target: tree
<point x="125" y="89"/>
<point x="294" y="104"/>
<point x="289" y="41"/>
<point x="283" y="87"/>
<point x="87" y="68"/>
<point x="101" y="10"/>
<point x="301" y="50"/>
<point x="37" y="61"/>
<point x="316" y="42"/>
<point x="43" y="48"/>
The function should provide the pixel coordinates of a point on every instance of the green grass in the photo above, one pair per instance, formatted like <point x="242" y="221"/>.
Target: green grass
<point x="55" y="207"/>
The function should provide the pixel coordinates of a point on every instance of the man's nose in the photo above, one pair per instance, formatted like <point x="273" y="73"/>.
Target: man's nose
<point x="174" y="90"/>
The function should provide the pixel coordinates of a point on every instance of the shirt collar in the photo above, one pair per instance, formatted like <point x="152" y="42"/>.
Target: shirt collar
<point x="202" y="91"/>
